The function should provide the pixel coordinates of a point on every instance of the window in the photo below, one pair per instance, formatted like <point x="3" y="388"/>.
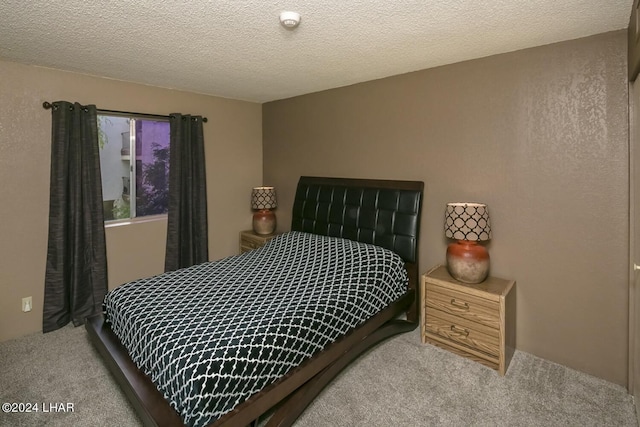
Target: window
<point x="134" y="162"/>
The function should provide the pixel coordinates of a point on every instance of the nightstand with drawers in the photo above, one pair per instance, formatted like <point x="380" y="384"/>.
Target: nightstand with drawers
<point x="475" y="321"/>
<point x="250" y="240"/>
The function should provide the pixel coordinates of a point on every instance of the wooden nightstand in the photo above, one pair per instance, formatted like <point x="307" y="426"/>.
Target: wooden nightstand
<point x="474" y="321"/>
<point x="250" y="240"/>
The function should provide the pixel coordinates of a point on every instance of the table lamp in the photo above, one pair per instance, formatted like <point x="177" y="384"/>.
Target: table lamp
<point x="468" y="224"/>
<point x="263" y="199"/>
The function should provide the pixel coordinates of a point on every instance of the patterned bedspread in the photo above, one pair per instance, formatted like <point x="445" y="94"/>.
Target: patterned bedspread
<point x="212" y="335"/>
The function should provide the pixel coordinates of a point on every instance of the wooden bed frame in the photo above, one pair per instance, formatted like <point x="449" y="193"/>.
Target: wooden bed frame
<point x="357" y="209"/>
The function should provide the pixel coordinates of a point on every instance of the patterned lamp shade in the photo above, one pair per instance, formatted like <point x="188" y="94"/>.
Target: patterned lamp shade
<point x="467" y="221"/>
<point x="263" y="198"/>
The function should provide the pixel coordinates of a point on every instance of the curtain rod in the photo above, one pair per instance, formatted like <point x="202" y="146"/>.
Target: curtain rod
<point x="47" y="105"/>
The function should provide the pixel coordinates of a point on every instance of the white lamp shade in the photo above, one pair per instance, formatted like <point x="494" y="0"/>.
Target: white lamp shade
<point x="263" y="198"/>
<point x="467" y="221"/>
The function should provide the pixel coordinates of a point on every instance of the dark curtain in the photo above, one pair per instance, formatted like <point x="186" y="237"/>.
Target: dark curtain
<point x="76" y="271"/>
<point x="187" y="241"/>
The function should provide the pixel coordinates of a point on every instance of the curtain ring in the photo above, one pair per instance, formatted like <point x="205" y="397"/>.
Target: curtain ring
<point x="48" y="105"/>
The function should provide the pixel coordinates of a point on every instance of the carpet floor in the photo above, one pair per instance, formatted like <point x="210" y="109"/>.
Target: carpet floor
<point x="399" y="383"/>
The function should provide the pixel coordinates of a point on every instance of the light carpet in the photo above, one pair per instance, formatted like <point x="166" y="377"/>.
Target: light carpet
<point x="399" y="383"/>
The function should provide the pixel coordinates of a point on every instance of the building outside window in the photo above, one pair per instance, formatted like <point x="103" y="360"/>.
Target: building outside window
<point x="134" y="163"/>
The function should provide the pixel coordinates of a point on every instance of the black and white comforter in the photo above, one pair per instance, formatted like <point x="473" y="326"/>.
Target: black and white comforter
<point x="211" y="335"/>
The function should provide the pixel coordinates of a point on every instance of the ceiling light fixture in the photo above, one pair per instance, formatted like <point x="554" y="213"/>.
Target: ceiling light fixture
<point x="290" y="20"/>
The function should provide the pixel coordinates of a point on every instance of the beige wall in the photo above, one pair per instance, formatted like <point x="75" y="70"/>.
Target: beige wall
<point x="634" y="289"/>
<point x="233" y="149"/>
<point x="540" y="135"/>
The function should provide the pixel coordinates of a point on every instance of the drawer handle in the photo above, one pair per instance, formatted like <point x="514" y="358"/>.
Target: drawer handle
<point x="464" y="306"/>
<point x="458" y="330"/>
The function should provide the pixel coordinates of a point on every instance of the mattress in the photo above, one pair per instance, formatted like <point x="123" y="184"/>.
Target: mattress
<point x="212" y="335"/>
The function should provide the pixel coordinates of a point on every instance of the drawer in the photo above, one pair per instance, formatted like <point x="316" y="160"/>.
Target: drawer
<point x="253" y="240"/>
<point x="249" y="244"/>
<point x="250" y="241"/>
<point x="469" y="307"/>
<point x="459" y="330"/>
<point x="244" y="248"/>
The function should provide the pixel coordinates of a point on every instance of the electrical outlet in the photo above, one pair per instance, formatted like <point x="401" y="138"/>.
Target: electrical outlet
<point x="27" y="304"/>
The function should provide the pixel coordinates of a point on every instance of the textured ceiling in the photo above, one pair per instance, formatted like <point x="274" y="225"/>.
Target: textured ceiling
<point x="237" y="48"/>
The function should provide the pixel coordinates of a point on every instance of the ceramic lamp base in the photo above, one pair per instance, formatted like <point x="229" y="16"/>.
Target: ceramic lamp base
<point x="467" y="262"/>
<point x="264" y="222"/>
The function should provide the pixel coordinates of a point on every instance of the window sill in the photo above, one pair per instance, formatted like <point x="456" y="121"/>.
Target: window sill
<point x="132" y="221"/>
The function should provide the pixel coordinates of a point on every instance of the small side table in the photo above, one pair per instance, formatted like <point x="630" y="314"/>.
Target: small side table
<point x="250" y="240"/>
<point x="475" y="321"/>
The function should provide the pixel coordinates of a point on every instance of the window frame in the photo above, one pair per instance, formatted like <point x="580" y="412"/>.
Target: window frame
<point x="116" y="222"/>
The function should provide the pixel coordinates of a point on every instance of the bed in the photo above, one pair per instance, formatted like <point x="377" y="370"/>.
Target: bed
<point x="363" y="219"/>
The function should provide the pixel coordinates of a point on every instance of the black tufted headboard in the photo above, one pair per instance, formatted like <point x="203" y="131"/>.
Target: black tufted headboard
<point x="382" y="212"/>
